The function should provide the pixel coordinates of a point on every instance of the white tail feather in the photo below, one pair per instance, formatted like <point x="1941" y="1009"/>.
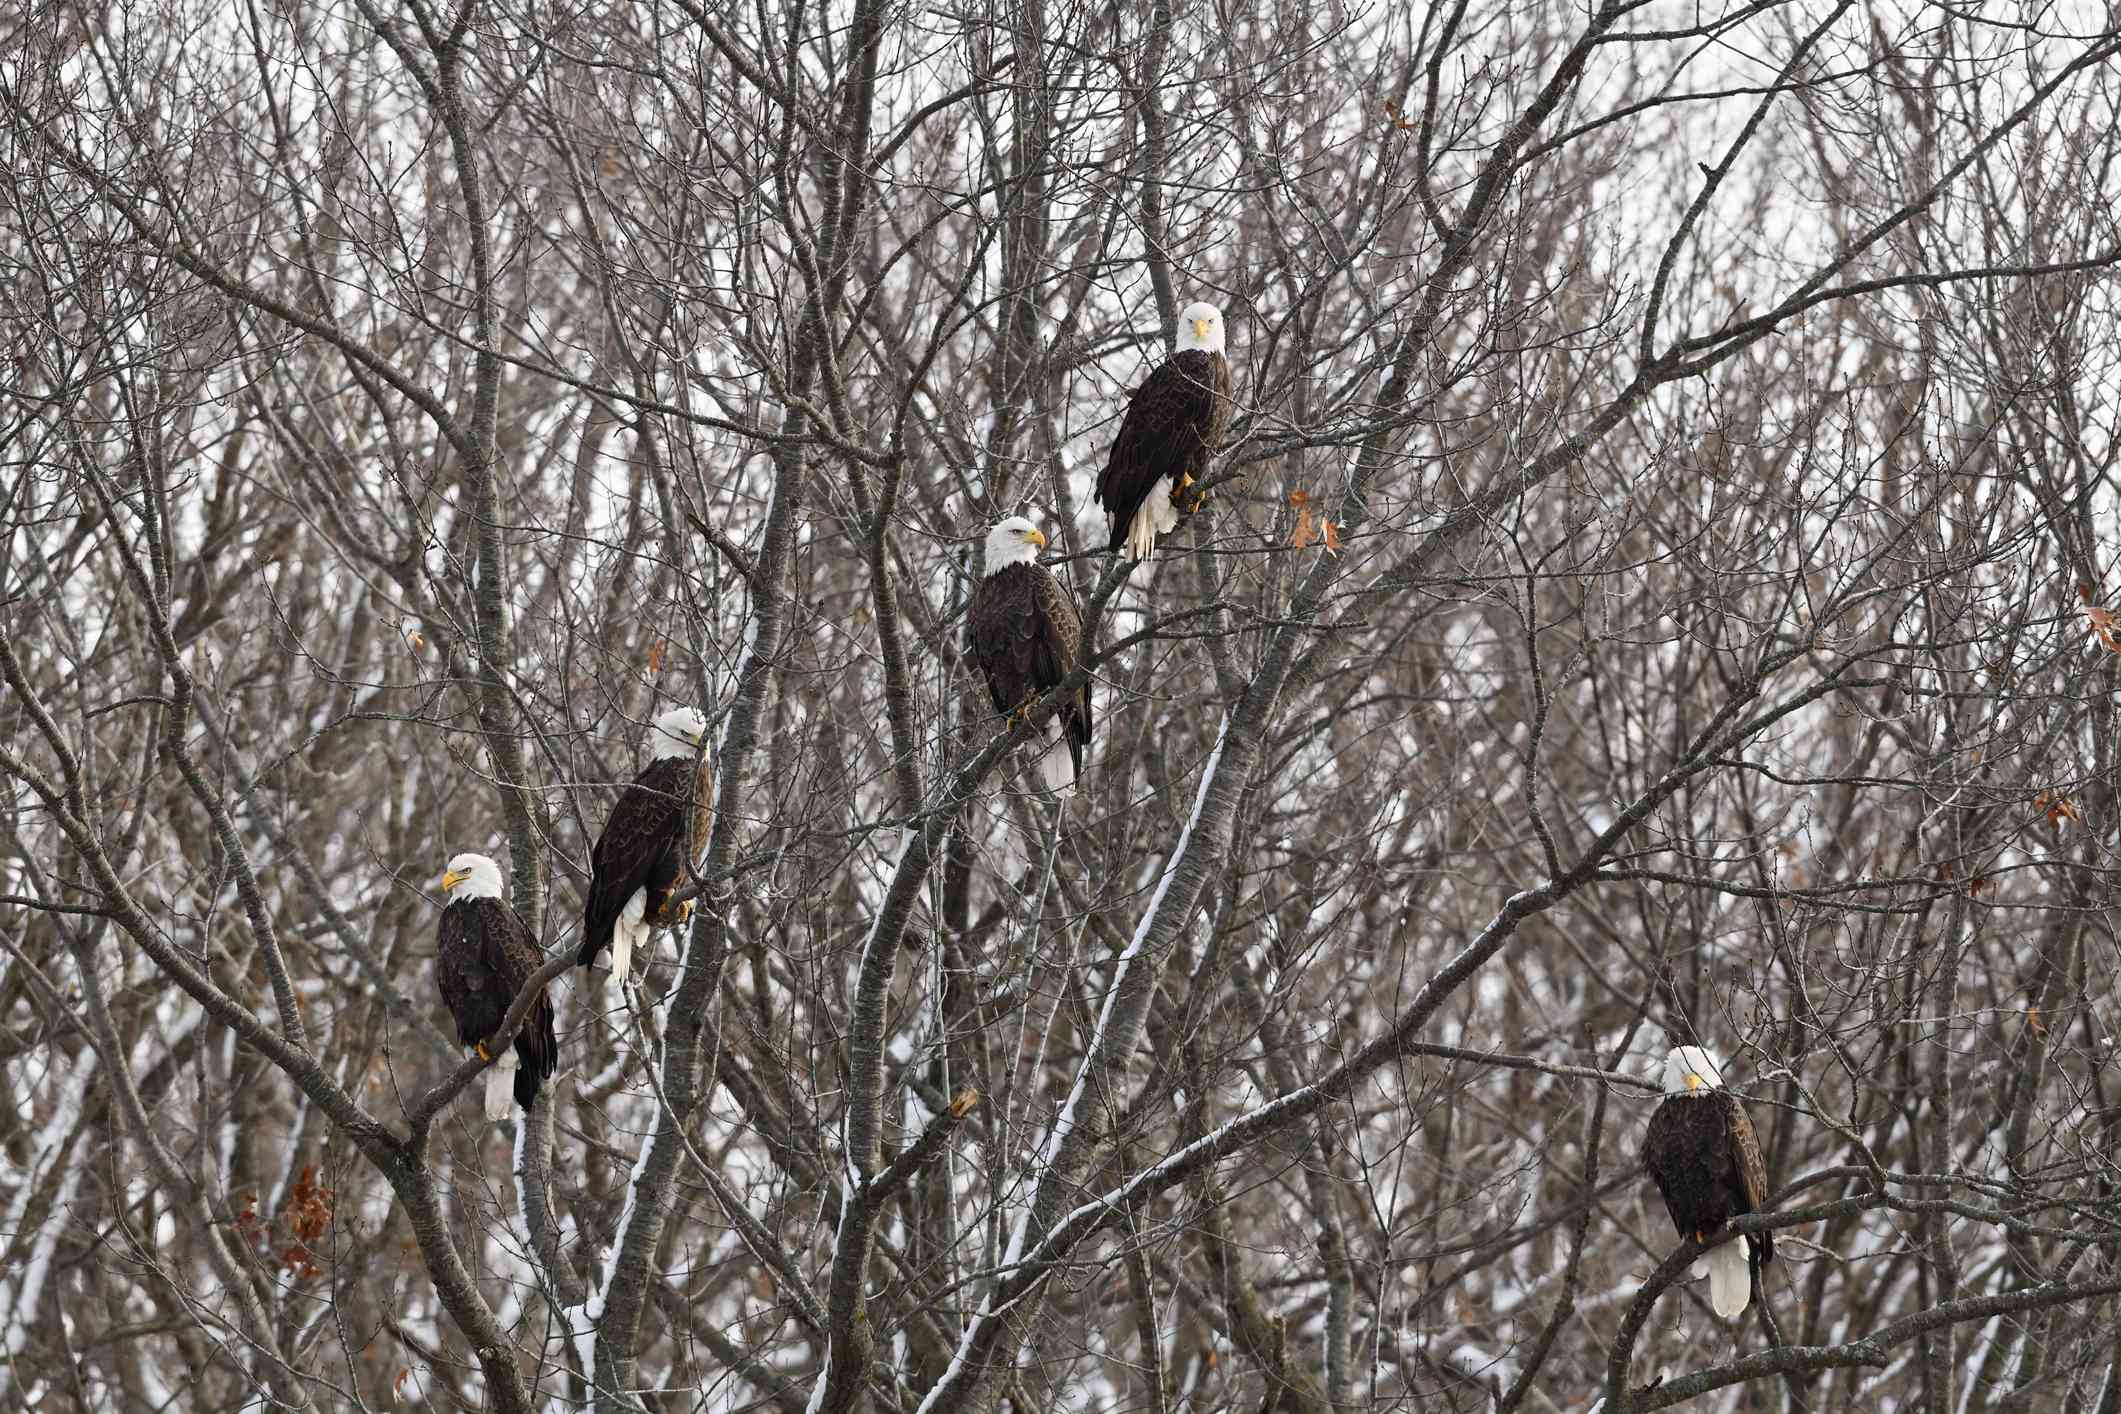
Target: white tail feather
<point x="1141" y="536"/>
<point x="628" y="931"/>
<point x="1155" y="516"/>
<point x="1730" y="1278"/>
<point x="501" y="1084"/>
<point x="1056" y="768"/>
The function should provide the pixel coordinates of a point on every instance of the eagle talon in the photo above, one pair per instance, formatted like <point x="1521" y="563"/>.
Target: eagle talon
<point x="1701" y="1237"/>
<point x="483" y="1054"/>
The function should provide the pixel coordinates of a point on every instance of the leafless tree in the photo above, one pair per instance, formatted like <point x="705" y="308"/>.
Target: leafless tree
<point x="1656" y="589"/>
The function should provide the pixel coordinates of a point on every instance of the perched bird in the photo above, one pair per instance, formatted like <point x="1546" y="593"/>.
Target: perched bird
<point x="1175" y="421"/>
<point x="1023" y="633"/>
<point x="484" y="956"/>
<point x="648" y="844"/>
<point x="1705" y="1158"/>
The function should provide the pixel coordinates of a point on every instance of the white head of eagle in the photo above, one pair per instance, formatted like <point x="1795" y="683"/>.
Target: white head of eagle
<point x="678" y="732"/>
<point x="1689" y="1071"/>
<point x="1200" y="326"/>
<point x="1015" y="541"/>
<point x="471" y="876"/>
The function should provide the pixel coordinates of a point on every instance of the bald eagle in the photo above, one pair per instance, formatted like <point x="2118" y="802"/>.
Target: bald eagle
<point x="1174" y="423"/>
<point x="1023" y="633"/>
<point x="1705" y="1158"/>
<point x="483" y="957"/>
<point x="646" y="849"/>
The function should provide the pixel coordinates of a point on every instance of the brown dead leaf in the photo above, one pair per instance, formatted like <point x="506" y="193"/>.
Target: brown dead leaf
<point x="656" y="652"/>
<point x="2102" y="624"/>
<point x="2057" y="808"/>
<point x="1331" y="534"/>
<point x="1306" y="529"/>
<point x="308" y="1208"/>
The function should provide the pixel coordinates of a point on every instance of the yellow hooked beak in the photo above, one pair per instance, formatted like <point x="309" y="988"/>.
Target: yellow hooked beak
<point x="453" y="877"/>
<point x="1036" y="537"/>
<point x="1694" y="1082"/>
<point x="1200" y="330"/>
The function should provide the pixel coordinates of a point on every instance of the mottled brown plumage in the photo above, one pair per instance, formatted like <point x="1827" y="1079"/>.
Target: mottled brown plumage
<point x="702" y="814"/>
<point x="1023" y="633"/>
<point x="644" y="846"/>
<point x="484" y="956"/>
<point x="1175" y="423"/>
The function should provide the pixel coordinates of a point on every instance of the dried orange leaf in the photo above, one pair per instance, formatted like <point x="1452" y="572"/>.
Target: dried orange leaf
<point x="1331" y="533"/>
<point x="309" y="1206"/>
<point x="1306" y="529"/>
<point x="2102" y="623"/>
<point x="656" y="651"/>
<point x="2057" y="808"/>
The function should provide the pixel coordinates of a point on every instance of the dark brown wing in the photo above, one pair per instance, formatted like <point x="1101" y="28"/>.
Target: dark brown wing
<point x="1063" y="626"/>
<point x="702" y="820"/>
<point x="1023" y="632"/>
<point x="1174" y="423"/>
<point x="640" y="848"/>
<point x="1750" y="1169"/>
<point x="484" y="957"/>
